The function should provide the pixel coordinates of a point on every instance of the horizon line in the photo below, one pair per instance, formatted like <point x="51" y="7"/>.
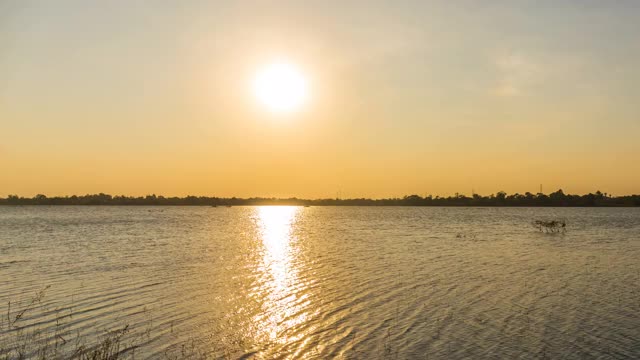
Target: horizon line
<point x="426" y="196"/>
<point x="455" y="195"/>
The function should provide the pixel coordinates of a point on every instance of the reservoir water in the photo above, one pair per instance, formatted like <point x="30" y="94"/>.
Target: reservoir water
<point x="325" y="282"/>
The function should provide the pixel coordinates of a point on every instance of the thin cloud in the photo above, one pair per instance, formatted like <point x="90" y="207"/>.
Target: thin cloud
<point x="516" y="74"/>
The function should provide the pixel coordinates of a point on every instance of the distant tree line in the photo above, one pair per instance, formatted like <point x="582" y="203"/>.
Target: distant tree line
<point x="558" y="198"/>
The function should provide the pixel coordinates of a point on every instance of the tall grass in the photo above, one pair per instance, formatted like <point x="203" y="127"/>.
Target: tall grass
<point x="22" y="338"/>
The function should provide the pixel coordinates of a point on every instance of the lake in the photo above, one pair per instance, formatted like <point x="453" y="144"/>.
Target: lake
<point x="324" y="282"/>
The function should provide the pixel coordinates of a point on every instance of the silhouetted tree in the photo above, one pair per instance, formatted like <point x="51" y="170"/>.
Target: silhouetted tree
<point x="558" y="198"/>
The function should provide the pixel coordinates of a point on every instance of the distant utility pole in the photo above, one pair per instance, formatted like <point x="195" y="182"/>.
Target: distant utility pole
<point x="540" y="188"/>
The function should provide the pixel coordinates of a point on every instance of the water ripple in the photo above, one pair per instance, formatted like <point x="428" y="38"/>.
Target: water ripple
<point x="291" y="282"/>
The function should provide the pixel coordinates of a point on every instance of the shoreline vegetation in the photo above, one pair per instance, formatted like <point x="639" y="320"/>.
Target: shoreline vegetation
<point x="555" y="199"/>
<point x="32" y="328"/>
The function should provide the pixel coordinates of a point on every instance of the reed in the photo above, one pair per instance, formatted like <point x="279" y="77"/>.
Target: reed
<point x="21" y="339"/>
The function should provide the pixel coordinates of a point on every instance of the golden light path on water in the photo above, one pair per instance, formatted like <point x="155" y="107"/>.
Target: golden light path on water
<point x="282" y="305"/>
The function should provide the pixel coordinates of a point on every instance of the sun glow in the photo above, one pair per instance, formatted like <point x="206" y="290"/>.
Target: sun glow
<point x="281" y="87"/>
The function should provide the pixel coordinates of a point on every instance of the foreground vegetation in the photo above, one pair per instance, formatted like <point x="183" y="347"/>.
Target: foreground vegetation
<point x="21" y="337"/>
<point x="27" y="333"/>
<point x="558" y="198"/>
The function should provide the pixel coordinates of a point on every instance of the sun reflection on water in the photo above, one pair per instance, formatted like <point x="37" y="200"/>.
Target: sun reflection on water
<point x="280" y="287"/>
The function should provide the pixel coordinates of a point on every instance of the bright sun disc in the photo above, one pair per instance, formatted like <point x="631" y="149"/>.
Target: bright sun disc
<point x="280" y="87"/>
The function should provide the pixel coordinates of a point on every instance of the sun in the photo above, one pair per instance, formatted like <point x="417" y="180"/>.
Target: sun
<point x="281" y="87"/>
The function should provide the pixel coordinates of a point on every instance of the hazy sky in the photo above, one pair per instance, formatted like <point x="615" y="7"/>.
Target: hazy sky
<point x="137" y="97"/>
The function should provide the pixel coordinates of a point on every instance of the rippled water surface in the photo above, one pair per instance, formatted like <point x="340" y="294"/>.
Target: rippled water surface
<point x="322" y="282"/>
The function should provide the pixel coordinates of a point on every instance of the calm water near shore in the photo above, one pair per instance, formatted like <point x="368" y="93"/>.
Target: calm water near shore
<point x="321" y="282"/>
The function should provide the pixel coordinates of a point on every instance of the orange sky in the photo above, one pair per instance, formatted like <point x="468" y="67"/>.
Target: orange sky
<point x="408" y="98"/>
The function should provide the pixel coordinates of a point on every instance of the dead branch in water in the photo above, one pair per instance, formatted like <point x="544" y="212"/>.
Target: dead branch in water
<point x="553" y="226"/>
